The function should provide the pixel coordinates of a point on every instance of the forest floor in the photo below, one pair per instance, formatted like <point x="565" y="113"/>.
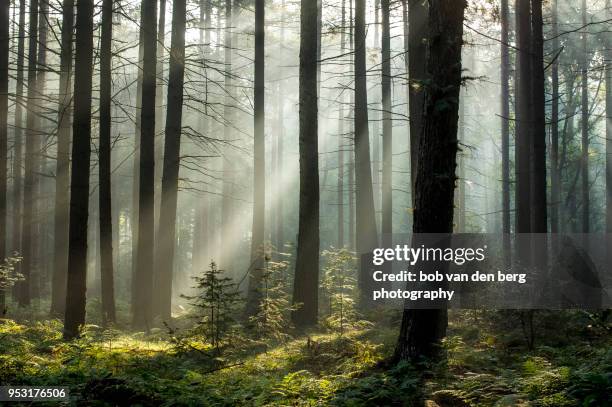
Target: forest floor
<point x="487" y="364"/>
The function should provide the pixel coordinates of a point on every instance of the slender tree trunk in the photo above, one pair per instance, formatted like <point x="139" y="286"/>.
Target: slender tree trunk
<point x="79" y="187"/>
<point x="608" y="61"/>
<point x="4" y="82"/>
<point x="17" y="160"/>
<point x="280" y="241"/>
<point x="105" y="201"/>
<point x="142" y="301"/>
<point x="417" y="74"/>
<point x="387" y="190"/>
<point x="505" y="127"/>
<point x="351" y="164"/>
<point x="555" y="180"/>
<point x="30" y="159"/>
<point x="524" y="108"/>
<point x="259" y="184"/>
<point x="340" y="186"/>
<point x="367" y="238"/>
<point x="172" y="146"/>
<point x="375" y="121"/>
<point x="306" y="283"/>
<point x="159" y="111"/>
<point x="62" y="179"/>
<point x="584" y="167"/>
<point x="227" y="214"/>
<point x="422" y="330"/>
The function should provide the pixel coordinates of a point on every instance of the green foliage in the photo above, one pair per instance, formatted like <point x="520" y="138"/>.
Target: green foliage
<point x="339" y="289"/>
<point x="273" y="319"/>
<point x="8" y="274"/>
<point x="216" y="304"/>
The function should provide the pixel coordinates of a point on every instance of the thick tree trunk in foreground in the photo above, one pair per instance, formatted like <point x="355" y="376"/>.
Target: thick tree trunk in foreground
<point x="143" y="278"/>
<point x="62" y="179"/>
<point x="259" y="166"/>
<point x="306" y="284"/>
<point x="79" y="188"/>
<point x="4" y="82"/>
<point x="172" y="146"/>
<point x="422" y="330"/>
<point x="367" y="238"/>
<point x="105" y="201"/>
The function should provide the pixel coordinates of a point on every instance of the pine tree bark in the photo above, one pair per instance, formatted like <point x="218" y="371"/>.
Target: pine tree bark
<point x="4" y="82"/>
<point x="340" y="180"/>
<point x="104" y="153"/>
<point x="608" y="61"/>
<point x="62" y="178"/>
<point x="524" y="121"/>
<point x="227" y="218"/>
<point x="422" y="330"/>
<point x="417" y="75"/>
<point x="79" y="187"/>
<point x="387" y="191"/>
<point x="280" y="240"/>
<point x="259" y="167"/>
<point x="366" y="232"/>
<point x="18" y="143"/>
<point x="142" y="301"/>
<point x="30" y="160"/>
<point x="306" y="283"/>
<point x="172" y="145"/>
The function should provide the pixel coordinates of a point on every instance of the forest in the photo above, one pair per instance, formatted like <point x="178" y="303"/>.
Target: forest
<point x="191" y="191"/>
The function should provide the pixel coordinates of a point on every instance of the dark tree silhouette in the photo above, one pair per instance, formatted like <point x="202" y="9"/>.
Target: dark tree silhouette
<point x="62" y="179"/>
<point x="306" y="284"/>
<point x="143" y="277"/>
<point x="79" y="185"/>
<point x="584" y="123"/>
<point x="4" y="81"/>
<point x="422" y="330"/>
<point x="105" y="203"/>
<point x="387" y="190"/>
<point x="172" y="145"/>
<point x="505" y="124"/>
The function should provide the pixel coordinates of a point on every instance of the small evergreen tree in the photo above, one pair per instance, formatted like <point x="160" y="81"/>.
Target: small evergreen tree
<point x="339" y="288"/>
<point x="9" y="276"/>
<point x="216" y="303"/>
<point x="273" y="318"/>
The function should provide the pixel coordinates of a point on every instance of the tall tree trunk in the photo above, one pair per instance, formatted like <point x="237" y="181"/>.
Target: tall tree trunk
<point x="340" y="181"/>
<point x="306" y="283"/>
<point x="584" y="166"/>
<point x="366" y="232"/>
<point x="417" y="74"/>
<point x="227" y="209"/>
<point x="142" y="301"/>
<point x="539" y="216"/>
<point x="375" y="122"/>
<point x="62" y="178"/>
<point x="524" y="108"/>
<point x="259" y="167"/>
<point x="105" y="201"/>
<point x="172" y="146"/>
<point x="280" y="240"/>
<point x="555" y="180"/>
<point x="608" y="61"/>
<point x="351" y="164"/>
<point x="17" y="154"/>
<point x="4" y="82"/>
<point x="422" y="330"/>
<point x="79" y="187"/>
<point x="30" y="159"/>
<point x="159" y="108"/>
<point x="505" y="127"/>
<point x="387" y="191"/>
